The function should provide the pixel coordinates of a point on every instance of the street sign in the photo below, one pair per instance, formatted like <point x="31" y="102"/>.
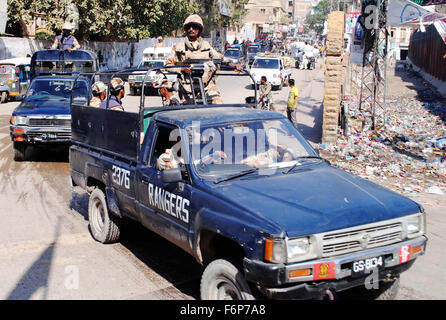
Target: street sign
<point x="3" y="15"/>
<point x="225" y="8"/>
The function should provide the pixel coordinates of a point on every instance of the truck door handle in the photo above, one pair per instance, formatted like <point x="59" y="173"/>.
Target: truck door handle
<point x="145" y="180"/>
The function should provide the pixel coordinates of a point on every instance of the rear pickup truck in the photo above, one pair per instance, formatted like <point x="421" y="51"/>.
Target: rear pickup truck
<point x="43" y="117"/>
<point x="244" y="193"/>
<point x="273" y="68"/>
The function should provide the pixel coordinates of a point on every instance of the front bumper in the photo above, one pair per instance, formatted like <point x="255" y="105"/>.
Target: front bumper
<point x="274" y="81"/>
<point x="138" y="84"/>
<point x="40" y="134"/>
<point x="275" y="282"/>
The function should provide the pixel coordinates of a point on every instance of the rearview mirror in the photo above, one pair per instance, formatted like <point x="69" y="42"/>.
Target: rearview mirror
<point x="171" y="175"/>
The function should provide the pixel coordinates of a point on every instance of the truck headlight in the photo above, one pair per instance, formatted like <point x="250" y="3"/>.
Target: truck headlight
<point x="290" y="250"/>
<point x="415" y="226"/>
<point x="19" y="120"/>
<point x="274" y="75"/>
<point x="297" y="248"/>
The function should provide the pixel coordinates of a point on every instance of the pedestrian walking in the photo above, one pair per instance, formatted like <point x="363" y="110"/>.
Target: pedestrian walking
<point x="292" y="102"/>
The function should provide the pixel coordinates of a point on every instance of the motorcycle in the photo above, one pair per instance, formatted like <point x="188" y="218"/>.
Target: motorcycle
<point x="266" y="103"/>
<point x="298" y="62"/>
<point x="311" y="63"/>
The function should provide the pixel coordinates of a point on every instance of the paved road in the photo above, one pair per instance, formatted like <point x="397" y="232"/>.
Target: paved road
<point x="46" y="251"/>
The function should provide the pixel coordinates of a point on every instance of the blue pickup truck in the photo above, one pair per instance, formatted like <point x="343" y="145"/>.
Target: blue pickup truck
<point x="43" y="117"/>
<point x="244" y="193"/>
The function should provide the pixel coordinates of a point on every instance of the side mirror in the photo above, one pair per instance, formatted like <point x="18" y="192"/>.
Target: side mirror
<point x="171" y="175"/>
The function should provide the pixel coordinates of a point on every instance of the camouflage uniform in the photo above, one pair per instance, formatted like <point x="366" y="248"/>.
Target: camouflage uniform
<point x="199" y="49"/>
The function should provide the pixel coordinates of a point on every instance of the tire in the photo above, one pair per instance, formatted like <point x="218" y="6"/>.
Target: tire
<point x="132" y="91"/>
<point x="4" y="97"/>
<point x="104" y="227"/>
<point x="222" y="280"/>
<point x="19" y="151"/>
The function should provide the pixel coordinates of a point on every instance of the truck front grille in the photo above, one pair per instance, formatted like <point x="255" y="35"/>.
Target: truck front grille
<point x="49" y="122"/>
<point x="356" y="239"/>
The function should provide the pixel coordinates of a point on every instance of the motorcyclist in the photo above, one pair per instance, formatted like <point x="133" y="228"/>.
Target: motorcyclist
<point x="265" y="97"/>
<point x="195" y="47"/>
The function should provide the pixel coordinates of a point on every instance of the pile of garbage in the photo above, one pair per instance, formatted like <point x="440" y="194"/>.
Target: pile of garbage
<point x="406" y="152"/>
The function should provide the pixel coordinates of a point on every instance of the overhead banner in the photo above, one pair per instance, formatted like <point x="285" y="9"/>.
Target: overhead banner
<point x="350" y="21"/>
<point x="405" y="12"/>
<point x="441" y="28"/>
<point x="428" y="2"/>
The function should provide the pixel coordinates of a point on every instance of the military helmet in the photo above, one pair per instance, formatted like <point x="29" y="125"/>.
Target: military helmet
<point x="116" y="85"/>
<point x="98" y="87"/>
<point x="67" y="26"/>
<point x="193" y="19"/>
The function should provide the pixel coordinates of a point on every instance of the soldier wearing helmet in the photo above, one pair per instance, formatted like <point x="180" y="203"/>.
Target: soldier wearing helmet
<point x="195" y="47"/>
<point x="99" y="92"/>
<point x="66" y="41"/>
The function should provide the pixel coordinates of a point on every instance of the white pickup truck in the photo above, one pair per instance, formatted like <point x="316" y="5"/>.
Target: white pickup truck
<point x="273" y="67"/>
<point x="152" y="57"/>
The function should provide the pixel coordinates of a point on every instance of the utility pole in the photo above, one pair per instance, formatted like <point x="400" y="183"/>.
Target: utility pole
<point x="373" y="79"/>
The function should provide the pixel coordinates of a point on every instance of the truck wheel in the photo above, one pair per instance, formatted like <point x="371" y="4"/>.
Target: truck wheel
<point x="104" y="227"/>
<point x="222" y="280"/>
<point x="4" y="97"/>
<point x="19" y="151"/>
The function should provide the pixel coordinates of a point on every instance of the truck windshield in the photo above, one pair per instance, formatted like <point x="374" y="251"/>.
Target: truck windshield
<point x="151" y="64"/>
<point x="232" y="53"/>
<point x="253" y="49"/>
<point x="266" y="63"/>
<point x="220" y="151"/>
<point x="57" y="89"/>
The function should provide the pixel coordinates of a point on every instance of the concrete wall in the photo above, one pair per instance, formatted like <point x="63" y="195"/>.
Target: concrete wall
<point x="333" y="76"/>
<point x="116" y="54"/>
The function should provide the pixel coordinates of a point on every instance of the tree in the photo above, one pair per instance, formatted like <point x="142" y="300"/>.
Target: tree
<point x="107" y="19"/>
<point x="319" y="14"/>
<point x="213" y="19"/>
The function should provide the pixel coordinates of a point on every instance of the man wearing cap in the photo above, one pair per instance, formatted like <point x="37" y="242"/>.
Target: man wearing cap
<point x="66" y="41"/>
<point x="99" y="91"/>
<point x="160" y="43"/>
<point x="195" y="47"/>
<point x="117" y="92"/>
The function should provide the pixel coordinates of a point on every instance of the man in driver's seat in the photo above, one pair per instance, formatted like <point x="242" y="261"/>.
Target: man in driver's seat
<point x="170" y="158"/>
<point x="195" y="47"/>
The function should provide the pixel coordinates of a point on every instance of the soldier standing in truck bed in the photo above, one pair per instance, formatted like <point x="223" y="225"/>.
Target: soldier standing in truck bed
<point x="195" y="47"/>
